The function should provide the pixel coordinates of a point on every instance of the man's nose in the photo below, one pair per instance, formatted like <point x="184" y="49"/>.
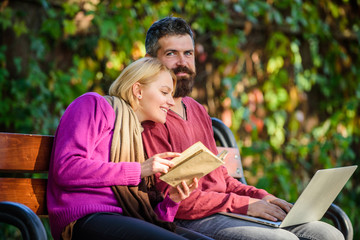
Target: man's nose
<point x="181" y="61"/>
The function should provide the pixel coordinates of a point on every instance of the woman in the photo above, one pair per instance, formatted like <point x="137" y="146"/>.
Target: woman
<point x="98" y="175"/>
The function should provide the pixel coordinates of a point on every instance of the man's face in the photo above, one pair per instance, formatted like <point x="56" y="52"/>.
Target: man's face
<point x="177" y="53"/>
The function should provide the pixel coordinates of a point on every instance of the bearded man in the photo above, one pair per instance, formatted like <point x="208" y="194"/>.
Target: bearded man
<point x="171" y="40"/>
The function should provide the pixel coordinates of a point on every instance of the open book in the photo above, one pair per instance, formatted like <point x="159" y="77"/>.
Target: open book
<point x="196" y="161"/>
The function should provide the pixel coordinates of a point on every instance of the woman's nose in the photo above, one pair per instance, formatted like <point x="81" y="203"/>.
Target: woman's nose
<point x="171" y="101"/>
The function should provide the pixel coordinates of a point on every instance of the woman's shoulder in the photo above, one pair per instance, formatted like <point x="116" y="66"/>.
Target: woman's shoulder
<point x="90" y="98"/>
<point x="91" y="101"/>
<point x="90" y="95"/>
<point x="90" y="105"/>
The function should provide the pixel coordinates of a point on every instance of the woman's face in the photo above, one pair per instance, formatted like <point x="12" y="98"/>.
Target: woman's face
<point x="155" y="98"/>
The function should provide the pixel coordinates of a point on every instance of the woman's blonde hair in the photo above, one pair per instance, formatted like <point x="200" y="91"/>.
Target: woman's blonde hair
<point x="143" y="71"/>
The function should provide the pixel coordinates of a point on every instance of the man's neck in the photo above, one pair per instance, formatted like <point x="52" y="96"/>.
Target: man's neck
<point x="178" y="108"/>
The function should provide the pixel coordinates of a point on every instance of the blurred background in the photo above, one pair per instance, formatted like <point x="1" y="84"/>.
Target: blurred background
<point x="284" y="75"/>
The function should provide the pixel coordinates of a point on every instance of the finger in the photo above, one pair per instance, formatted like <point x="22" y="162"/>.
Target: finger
<point x="163" y="169"/>
<point x="283" y="204"/>
<point x="185" y="188"/>
<point x="180" y="192"/>
<point x="168" y="163"/>
<point x="290" y="205"/>
<point x="160" y="166"/>
<point x="286" y="206"/>
<point x="276" y="212"/>
<point x="269" y="217"/>
<point x="194" y="184"/>
<point x="168" y="155"/>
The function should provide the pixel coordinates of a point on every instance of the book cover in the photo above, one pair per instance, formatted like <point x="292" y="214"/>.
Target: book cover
<point x="196" y="161"/>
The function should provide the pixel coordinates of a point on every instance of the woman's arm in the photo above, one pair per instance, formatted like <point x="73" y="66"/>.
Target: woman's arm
<point x="82" y="145"/>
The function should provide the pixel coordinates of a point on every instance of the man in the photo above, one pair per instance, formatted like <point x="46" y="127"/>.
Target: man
<point x="171" y="40"/>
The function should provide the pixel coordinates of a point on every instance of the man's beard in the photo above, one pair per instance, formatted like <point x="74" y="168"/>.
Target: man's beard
<point x="184" y="84"/>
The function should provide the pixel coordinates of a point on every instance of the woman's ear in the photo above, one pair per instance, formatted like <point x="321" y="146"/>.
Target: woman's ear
<point x="137" y="90"/>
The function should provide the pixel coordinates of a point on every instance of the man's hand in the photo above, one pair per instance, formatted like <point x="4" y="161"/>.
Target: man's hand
<point x="157" y="163"/>
<point x="270" y="208"/>
<point x="182" y="191"/>
<point x="279" y="202"/>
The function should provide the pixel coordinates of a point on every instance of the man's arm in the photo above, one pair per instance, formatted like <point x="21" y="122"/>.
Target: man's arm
<point x="217" y="191"/>
<point x="235" y="186"/>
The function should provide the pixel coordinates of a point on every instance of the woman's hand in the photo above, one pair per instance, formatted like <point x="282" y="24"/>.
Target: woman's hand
<point x="182" y="191"/>
<point x="157" y="163"/>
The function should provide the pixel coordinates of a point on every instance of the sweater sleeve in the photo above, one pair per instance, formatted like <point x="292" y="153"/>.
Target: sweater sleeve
<point x="166" y="210"/>
<point x="215" y="196"/>
<point x="235" y="186"/>
<point x="217" y="191"/>
<point x="80" y="156"/>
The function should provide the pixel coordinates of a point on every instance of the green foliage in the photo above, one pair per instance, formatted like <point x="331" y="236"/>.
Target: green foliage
<point x="9" y="232"/>
<point x="309" y="103"/>
<point x="289" y="75"/>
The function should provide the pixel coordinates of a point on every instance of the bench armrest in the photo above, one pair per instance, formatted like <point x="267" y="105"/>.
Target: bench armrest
<point x="340" y="220"/>
<point x="24" y="219"/>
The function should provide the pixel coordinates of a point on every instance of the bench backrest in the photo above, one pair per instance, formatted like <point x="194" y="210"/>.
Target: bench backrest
<point x="23" y="159"/>
<point x="24" y="164"/>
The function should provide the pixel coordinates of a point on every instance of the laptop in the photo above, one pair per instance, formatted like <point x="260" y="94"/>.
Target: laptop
<point x="314" y="201"/>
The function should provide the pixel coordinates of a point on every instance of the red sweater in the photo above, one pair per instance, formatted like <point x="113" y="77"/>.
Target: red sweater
<point x="217" y="191"/>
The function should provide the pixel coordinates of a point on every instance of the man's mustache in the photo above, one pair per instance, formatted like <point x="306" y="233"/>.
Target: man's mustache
<point x="182" y="69"/>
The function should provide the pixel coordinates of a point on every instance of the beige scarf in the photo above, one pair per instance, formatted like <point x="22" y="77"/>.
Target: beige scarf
<point x="127" y="146"/>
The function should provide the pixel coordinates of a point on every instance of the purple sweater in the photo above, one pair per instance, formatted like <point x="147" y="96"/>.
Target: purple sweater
<point x="81" y="173"/>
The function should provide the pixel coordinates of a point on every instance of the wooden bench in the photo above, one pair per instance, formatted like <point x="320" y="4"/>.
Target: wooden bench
<point x="24" y="163"/>
<point x="23" y="159"/>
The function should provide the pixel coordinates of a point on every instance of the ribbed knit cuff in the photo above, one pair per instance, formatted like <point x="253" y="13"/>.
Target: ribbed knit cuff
<point x="132" y="173"/>
<point x="60" y="219"/>
<point x="167" y="209"/>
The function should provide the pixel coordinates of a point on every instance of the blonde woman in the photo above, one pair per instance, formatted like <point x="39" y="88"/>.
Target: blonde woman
<point x="98" y="178"/>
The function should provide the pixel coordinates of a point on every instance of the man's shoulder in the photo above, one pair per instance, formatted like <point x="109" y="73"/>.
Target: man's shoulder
<point x="150" y="126"/>
<point x="192" y="103"/>
<point x="195" y="108"/>
<point x="190" y="100"/>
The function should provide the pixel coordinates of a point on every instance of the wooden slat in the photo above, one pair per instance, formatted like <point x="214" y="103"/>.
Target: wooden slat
<point x="30" y="192"/>
<point x="25" y="152"/>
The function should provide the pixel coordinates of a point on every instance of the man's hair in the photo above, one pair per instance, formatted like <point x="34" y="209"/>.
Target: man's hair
<point x="168" y="26"/>
<point x="143" y="71"/>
